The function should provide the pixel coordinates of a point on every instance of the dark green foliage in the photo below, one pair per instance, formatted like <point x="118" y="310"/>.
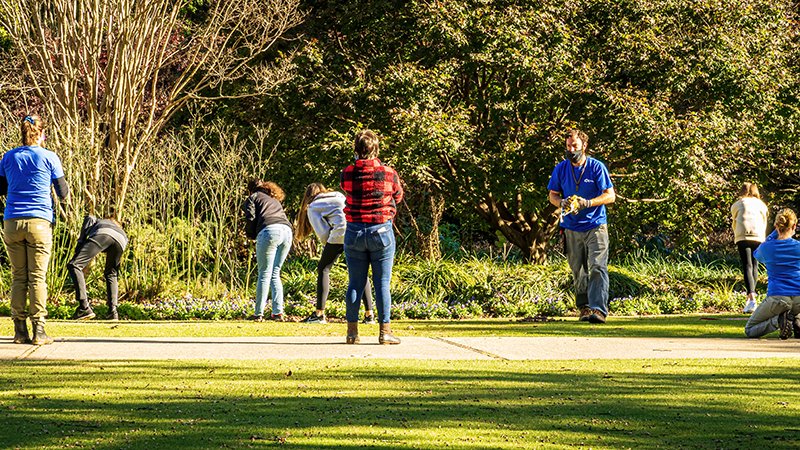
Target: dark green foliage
<point x="683" y="101"/>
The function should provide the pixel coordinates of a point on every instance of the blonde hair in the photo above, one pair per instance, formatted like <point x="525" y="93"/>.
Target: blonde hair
<point x="749" y="190"/>
<point x="785" y="220"/>
<point x="31" y="129"/>
<point x="303" y="227"/>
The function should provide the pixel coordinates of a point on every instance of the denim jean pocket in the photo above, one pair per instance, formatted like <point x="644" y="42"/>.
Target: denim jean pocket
<point x="350" y="238"/>
<point x="382" y="237"/>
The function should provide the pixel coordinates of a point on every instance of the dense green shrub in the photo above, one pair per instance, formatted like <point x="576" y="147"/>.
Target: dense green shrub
<point x="447" y="289"/>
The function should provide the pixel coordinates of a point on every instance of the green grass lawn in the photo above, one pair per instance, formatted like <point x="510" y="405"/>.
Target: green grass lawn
<point x="713" y="325"/>
<point x="401" y="404"/>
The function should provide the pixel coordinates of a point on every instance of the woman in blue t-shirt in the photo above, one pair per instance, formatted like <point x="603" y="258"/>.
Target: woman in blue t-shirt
<point x="781" y="254"/>
<point x="27" y="174"/>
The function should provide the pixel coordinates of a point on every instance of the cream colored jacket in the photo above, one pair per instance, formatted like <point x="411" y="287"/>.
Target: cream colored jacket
<point x="749" y="219"/>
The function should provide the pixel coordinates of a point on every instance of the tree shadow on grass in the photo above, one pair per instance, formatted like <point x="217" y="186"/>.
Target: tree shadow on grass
<point x="382" y="404"/>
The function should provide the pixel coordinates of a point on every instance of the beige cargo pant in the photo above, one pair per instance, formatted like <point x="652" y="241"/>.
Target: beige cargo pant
<point x="28" y="242"/>
<point x="764" y="319"/>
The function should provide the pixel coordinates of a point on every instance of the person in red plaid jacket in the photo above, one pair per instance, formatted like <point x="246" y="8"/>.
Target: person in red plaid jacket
<point x="372" y="192"/>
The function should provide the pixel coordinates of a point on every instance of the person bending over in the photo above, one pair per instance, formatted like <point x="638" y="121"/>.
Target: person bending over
<point x="97" y="236"/>
<point x="322" y="211"/>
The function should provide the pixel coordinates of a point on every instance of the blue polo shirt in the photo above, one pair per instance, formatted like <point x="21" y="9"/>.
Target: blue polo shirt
<point x="30" y="171"/>
<point x="588" y="183"/>
<point x="782" y="258"/>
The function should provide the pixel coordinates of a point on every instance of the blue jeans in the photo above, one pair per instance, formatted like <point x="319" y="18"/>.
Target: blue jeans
<point x="272" y="247"/>
<point x="587" y="254"/>
<point x="365" y="245"/>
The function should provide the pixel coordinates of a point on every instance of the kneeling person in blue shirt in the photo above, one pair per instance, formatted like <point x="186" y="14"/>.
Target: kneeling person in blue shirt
<point x="586" y="230"/>
<point x="97" y="236"/>
<point x="781" y="254"/>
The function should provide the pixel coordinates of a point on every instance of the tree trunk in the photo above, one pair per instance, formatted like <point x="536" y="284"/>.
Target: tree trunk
<point x="530" y="232"/>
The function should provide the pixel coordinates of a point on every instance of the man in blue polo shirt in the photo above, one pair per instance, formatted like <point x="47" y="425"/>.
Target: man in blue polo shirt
<point x="586" y="230"/>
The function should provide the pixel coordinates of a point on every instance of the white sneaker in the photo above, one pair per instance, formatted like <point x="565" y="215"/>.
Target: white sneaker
<point x="750" y="306"/>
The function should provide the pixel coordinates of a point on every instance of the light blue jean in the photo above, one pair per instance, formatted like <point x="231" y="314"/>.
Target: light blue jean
<point x="365" y="245"/>
<point x="272" y="247"/>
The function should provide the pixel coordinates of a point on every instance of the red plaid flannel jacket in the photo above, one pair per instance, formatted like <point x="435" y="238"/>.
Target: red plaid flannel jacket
<point x="372" y="190"/>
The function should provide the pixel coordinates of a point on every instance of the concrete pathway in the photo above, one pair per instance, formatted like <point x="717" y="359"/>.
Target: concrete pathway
<point x="463" y="348"/>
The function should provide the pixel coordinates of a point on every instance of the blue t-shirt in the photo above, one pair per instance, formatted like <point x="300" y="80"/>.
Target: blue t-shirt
<point x="30" y="171"/>
<point x="591" y="182"/>
<point x="782" y="258"/>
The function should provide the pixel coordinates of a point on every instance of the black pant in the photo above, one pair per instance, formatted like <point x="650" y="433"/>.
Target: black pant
<point x="87" y="252"/>
<point x="326" y="260"/>
<point x="749" y="264"/>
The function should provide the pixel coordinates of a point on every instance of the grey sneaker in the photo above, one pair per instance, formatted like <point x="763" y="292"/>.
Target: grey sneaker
<point x="369" y="320"/>
<point x="314" y="318"/>
<point x="83" y="314"/>
<point x="785" y="325"/>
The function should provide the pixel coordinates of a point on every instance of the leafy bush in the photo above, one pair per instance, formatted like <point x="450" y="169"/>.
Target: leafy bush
<point x="447" y="289"/>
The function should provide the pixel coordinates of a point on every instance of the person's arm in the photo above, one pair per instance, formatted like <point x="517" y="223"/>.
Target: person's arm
<point x="606" y="198"/>
<point x="555" y="198"/>
<point x="61" y="187"/>
<point x="321" y="227"/>
<point x="250" y="217"/>
<point x="398" y="189"/>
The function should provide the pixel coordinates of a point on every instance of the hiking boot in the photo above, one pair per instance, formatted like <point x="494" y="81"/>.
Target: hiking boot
<point x="369" y="320"/>
<point x="352" y="333"/>
<point x="585" y="313"/>
<point x="750" y="306"/>
<point x="314" y="318"/>
<point x="796" y="327"/>
<point x="83" y="314"/>
<point x="277" y="317"/>
<point x="597" y="316"/>
<point x="39" y="336"/>
<point x="386" y="337"/>
<point x="21" y="335"/>
<point x="256" y="318"/>
<point x="785" y="325"/>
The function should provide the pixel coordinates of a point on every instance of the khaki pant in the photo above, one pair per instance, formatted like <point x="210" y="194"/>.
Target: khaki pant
<point x="29" y="242"/>
<point x="765" y="318"/>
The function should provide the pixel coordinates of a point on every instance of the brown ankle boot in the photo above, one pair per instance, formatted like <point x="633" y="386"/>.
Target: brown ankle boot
<point x="21" y="335"/>
<point x="386" y="336"/>
<point x="39" y="335"/>
<point x="352" y="333"/>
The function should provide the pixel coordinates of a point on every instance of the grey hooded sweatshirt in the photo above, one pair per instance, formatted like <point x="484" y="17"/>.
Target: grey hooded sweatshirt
<point x="326" y="215"/>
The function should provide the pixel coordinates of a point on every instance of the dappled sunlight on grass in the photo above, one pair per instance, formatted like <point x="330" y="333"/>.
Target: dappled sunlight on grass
<point x="400" y="404"/>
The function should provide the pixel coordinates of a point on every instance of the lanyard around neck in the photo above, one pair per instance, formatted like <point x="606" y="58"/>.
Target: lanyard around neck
<point x="580" y="178"/>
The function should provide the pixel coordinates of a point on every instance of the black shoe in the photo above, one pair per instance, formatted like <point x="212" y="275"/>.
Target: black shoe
<point x="39" y="336"/>
<point x="796" y="327"/>
<point x="314" y="318"/>
<point x="112" y="315"/>
<point x="256" y="318"/>
<point x="597" y="316"/>
<point x="369" y="320"/>
<point x="21" y="335"/>
<point x="785" y="325"/>
<point x="83" y="314"/>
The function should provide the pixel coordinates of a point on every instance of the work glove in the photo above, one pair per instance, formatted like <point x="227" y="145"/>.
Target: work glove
<point x="583" y="203"/>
